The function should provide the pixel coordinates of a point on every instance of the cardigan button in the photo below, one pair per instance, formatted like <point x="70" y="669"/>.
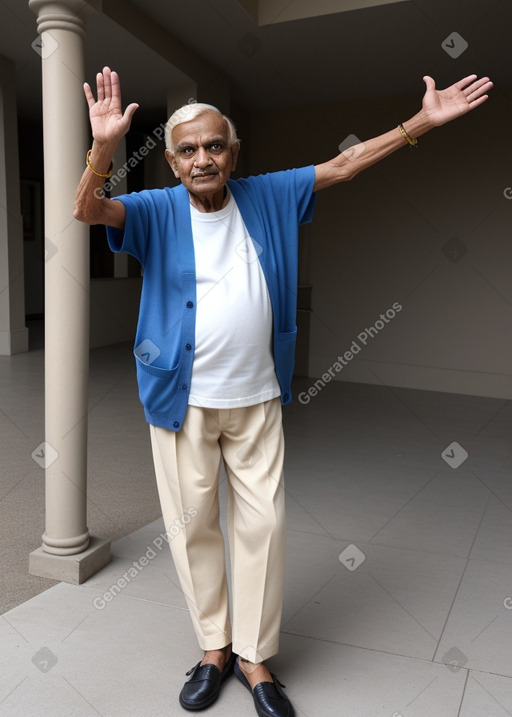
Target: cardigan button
<point x="184" y="386"/>
<point x="188" y="347"/>
<point x="190" y="304"/>
<point x="176" y="424"/>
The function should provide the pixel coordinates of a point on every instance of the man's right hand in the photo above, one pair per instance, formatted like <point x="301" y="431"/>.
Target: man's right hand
<point x="108" y="123"/>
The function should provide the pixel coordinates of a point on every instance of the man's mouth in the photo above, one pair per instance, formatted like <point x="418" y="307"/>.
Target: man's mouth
<point x="200" y="175"/>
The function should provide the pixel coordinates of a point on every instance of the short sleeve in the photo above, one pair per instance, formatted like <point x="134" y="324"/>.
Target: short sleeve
<point x="306" y="196"/>
<point x="291" y="190"/>
<point x="135" y="236"/>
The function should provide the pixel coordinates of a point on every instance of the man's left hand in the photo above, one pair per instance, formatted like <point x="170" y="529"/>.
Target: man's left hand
<point x="441" y="106"/>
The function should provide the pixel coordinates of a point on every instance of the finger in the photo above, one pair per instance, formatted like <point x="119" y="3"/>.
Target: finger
<point x="99" y="87"/>
<point x="477" y="102"/>
<point x="107" y="81"/>
<point x="129" y="112"/>
<point x="462" y="84"/>
<point x="429" y="83"/>
<point x="88" y="95"/>
<point x="484" y="82"/>
<point x="483" y="88"/>
<point x="116" y="85"/>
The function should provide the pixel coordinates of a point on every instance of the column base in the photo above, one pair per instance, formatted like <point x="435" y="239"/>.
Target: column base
<point x="74" y="569"/>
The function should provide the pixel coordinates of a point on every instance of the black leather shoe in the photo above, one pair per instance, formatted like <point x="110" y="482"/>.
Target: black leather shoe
<point x="204" y="685"/>
<point x="269" y="698"/>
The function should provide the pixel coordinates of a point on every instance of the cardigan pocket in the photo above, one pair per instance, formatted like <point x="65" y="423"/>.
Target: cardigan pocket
<point x="157" y="386"/>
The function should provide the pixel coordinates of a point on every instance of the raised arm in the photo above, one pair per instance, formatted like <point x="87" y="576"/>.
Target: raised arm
<point x="108" y="125"/>
<point x="438" y="107"/>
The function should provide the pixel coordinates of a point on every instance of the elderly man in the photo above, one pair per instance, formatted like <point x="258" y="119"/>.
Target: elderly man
<point x="214" y="352"/>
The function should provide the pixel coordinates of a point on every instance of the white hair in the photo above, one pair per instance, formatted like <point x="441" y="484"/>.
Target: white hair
<point x="189" y="112"/>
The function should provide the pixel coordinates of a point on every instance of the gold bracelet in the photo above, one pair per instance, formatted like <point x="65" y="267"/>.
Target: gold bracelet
<point x="88" y="163"/>
<point x="411" y="142"/>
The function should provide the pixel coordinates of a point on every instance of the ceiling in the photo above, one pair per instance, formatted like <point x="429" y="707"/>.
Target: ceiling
<point x="367" y="52"/>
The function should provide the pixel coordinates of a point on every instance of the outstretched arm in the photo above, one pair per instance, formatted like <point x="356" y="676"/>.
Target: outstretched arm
<point x="438" y="107"/>
<point x="108" y="124"/>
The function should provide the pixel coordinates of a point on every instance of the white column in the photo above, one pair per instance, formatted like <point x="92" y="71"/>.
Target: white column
<point x="13" y="333"/>
<point x="61" y="26"/>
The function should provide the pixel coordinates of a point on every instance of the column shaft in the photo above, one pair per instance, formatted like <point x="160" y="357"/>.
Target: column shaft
<point x="61" y="25"/>
<point x="66" y="297"/>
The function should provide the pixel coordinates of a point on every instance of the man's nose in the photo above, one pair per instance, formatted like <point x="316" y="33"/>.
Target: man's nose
<point x="202" y="157"/>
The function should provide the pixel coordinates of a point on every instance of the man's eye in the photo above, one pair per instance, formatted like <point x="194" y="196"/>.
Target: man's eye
<point x="216" y="147"/>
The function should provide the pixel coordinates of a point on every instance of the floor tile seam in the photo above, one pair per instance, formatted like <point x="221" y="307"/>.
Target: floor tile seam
<point x="289" y="495"/>
<point x="425" y="660"/>
<point x="491" y="491"/>
<point x="480" y="523"/>
<point x="124" y="565"/>
<point x="312" y="533"/>
<point x="92" y="589"/>
<point x="463" y="695"/>
<point x="489" y="561"/>
<point x="404" y="506"/>
<point x="468" y="670"/>
<point x="443" y="554"/>
<point x="506" y="403"/>
<point x="492" y="673"/>
<point x="308" y="601"/>
<point x="365" y="543"/>
<point x="101" y="592"/>
<point x="449" y="612"/>
<point x="468" y="559"/>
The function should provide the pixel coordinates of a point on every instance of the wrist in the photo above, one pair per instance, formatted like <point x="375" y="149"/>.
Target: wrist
<point x="101" y="175"/>
<point x="101" y="155"/>
<point x="418" y="125"/>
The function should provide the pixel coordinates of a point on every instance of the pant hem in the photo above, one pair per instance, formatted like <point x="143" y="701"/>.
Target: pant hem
<point x="256" y="654"/>
<point x="214" y="642"/>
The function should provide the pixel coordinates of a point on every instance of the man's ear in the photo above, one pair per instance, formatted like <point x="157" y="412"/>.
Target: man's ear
<point x="235" y="149"/>
<point x="172" y="162"/>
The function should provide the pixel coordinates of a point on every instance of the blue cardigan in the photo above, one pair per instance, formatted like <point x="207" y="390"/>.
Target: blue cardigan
<point x="158" y="233"/>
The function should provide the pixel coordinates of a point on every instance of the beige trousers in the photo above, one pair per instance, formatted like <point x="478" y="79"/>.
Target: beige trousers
<point x="187" y="465"/>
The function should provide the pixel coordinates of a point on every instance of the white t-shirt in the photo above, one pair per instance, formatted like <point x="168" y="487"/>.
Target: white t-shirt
<point x="233" y="360"/>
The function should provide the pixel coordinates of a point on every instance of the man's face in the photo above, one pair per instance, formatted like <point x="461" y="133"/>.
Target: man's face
<point x="202" y="158"/>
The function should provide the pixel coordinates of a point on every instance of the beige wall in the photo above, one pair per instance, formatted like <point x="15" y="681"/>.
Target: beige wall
<point x="379" y="240"/>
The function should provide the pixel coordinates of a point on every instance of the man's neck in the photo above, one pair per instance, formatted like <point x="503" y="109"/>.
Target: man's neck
<point x="209" y="203"/>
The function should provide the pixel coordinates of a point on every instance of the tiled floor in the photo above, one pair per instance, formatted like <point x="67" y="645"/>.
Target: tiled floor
<point x="399" y="580"/>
